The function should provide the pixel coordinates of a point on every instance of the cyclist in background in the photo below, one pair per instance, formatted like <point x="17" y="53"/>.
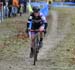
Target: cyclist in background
<point x="36" y="21"/>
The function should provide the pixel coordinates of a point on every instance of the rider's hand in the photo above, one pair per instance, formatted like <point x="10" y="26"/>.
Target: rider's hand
<point x="41" y="28"/>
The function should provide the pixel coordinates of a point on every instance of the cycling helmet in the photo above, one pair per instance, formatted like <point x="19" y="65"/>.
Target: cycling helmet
<point x="36" y="9"/>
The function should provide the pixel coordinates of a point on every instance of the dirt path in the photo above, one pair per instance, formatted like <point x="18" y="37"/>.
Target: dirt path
<point x="21" y="61"/>
<point x="50" y="40"/>
<point x="54" y="37"/>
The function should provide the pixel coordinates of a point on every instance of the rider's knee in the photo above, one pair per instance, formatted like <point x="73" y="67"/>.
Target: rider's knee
<point x="41" y="34"/>
<point x="32" y="38"/>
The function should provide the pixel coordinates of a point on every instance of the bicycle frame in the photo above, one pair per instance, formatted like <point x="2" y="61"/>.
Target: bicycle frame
<point x="36" y="44"/>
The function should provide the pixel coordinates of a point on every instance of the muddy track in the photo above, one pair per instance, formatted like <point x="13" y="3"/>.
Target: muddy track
<point x="21" y="61"/>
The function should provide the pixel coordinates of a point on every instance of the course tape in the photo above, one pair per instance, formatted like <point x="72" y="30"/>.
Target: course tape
<point x="64" y="4"/>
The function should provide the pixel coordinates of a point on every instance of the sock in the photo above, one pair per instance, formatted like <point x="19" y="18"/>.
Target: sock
<point x="31" y="49"/>
<point x="41" y="39"/>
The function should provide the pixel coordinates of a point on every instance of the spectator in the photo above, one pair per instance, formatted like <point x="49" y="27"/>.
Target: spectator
<point x="5" y="8"/>
<point x="25" y="5"/>
<point x="15" y="6"/>
<point x="24" y="2"/>
<point x="21" y="9"/>
<point x="3" y="2"/>
<point x="10" y="7"/>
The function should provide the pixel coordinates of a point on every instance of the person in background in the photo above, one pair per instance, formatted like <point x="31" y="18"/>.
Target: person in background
<point x="5" y="8"/>
<point x="21" y="7"/>
<point x="3" y="2"/>
<point x="24" y="3"/>
<point x="10" y="7"/>
<point x="49" y="1"/>
<point x="25" y="6"/>
<point x="15" y="6"/>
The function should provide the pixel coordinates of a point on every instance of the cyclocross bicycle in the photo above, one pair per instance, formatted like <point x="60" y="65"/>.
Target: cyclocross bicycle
<point x="36" y="45"/>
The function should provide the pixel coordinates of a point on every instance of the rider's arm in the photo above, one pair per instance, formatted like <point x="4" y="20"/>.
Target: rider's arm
<point x="29" y="23"/>
<point x="44" y="20"/>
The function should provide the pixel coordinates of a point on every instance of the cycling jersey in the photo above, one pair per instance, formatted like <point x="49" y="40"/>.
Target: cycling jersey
<point x="36" y="22"/>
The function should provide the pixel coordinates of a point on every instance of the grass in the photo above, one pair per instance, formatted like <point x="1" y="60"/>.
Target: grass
<point x="12" y="38"/>
<point x="64" y="55"/>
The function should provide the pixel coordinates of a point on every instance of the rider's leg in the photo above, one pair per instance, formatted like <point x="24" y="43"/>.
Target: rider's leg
<point x="46" y="25"/>
<point x="41" y="40"/>
<point x="32" y="44"/>
<point x="41" y="36"/>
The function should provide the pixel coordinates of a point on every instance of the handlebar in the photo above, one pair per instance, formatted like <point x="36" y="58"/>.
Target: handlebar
<point x="36" y="30"/>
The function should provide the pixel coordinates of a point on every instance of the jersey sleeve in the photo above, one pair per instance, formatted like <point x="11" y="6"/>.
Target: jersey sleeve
<point x="43" y="18"/>
<point x="30" y="18"/>
<point x="29" y="22"/>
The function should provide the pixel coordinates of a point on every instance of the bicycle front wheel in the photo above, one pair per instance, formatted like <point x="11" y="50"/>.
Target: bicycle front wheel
<point x="35" y="55"/>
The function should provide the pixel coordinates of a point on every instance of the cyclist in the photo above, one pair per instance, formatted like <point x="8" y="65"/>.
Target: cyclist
<point x="36" y="21"/>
